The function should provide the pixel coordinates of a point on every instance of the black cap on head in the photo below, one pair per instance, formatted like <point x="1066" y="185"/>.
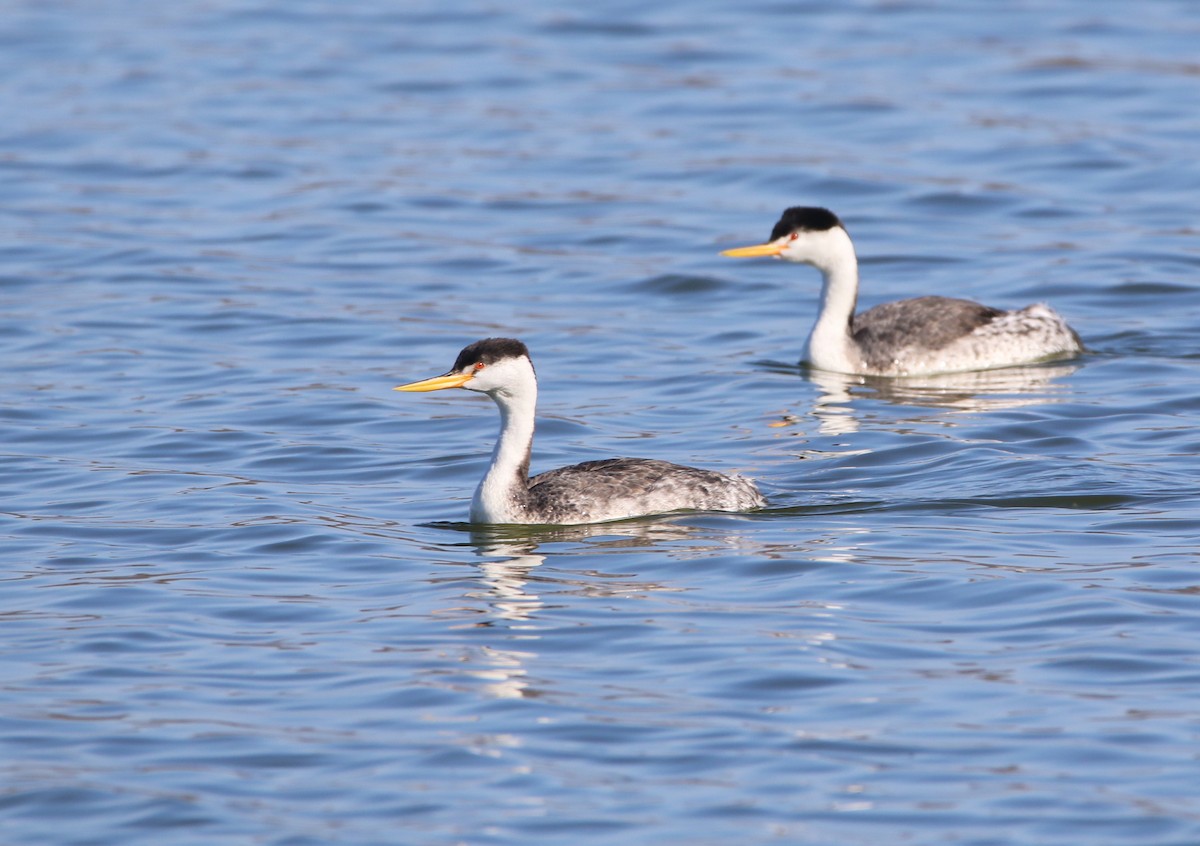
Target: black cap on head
<point x="489" y="351"/>
<point x="807" y="218"/>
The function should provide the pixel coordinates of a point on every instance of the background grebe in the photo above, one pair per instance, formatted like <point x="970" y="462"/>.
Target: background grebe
<point x="591" y="492"/>
<point x="909" y="337"/>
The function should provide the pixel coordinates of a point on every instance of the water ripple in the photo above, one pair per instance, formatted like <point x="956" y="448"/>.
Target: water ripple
<point x="241" y="603"/>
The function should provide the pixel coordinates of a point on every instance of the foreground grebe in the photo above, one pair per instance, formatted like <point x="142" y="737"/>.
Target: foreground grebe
<point x="591" y="492"/>
<point x="909" y="337"/>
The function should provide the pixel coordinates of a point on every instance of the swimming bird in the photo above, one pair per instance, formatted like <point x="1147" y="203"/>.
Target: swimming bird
<point x="591" y="492"/>
<point x="920" y="336"/>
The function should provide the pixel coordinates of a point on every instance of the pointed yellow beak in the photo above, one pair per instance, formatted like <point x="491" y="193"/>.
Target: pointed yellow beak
<point x="437" y="383"/>
<point x="772" y="249"/>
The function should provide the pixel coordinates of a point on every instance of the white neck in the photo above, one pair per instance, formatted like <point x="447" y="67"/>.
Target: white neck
<point x="502" y="493"/>
<point x="830" y="346"/>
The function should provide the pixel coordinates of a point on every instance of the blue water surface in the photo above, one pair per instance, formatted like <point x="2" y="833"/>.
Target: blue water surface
<point x="241" y="603"/>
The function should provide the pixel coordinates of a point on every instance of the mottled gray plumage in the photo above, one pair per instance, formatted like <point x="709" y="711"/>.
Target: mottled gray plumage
<point x="597" y="490"/>
<point x="889" y="331"/>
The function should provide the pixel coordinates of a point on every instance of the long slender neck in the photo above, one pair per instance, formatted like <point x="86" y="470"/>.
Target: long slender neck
<point x="830" y="345"/>
<point x="503" y="493"/>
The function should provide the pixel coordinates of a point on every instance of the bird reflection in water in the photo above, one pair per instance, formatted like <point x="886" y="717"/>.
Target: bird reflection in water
<point x="986" y="390"/>
<point x="511" y="589"/>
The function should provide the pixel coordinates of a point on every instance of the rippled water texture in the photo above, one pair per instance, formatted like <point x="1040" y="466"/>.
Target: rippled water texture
<point x="241" y="605"/>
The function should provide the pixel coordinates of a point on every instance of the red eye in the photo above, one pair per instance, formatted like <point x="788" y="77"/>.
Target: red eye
<point x="479" y="365"/>
<point x="795" y="235"/>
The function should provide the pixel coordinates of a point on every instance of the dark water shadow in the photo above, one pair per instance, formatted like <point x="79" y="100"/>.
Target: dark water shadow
<point x="638" y="532"/>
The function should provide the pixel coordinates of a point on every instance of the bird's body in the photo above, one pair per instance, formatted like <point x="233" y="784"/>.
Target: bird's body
<point x="615" y="488"/>
<point x="591" y="492"/>
<point x="932" y="334"/>
<point x="921" y="336"/>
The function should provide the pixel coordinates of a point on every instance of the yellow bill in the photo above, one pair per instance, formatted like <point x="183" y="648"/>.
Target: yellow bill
<point x="772" y="249"/>
<point x="437" y="383"/>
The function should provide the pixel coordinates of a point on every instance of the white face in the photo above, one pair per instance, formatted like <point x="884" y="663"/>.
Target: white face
<point x="502" y="377"/>
<point x="822" y="248"/>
